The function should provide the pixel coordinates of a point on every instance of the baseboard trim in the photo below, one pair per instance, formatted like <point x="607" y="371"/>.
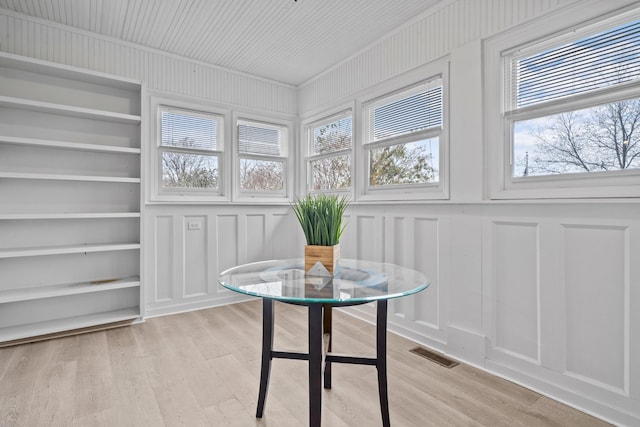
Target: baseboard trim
<point x="615" y="416"/>
<point x="183" y="307"/>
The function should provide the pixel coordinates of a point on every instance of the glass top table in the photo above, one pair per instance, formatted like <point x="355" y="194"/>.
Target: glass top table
<point x="357" y="282"/>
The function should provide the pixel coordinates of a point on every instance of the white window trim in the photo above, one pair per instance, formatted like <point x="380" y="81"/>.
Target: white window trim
<point x="343" y="111"/>
<point x="285" y="196"/>
<point x="501" y="185"/>
<point x="386" y="91"/>
<point x="155" y="193"/>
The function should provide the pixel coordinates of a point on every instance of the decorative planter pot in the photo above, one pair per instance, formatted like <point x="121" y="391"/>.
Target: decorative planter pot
<point x="321" y="260"/>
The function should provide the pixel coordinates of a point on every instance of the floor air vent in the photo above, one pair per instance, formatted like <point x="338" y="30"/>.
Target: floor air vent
<point x="434" y="357"/>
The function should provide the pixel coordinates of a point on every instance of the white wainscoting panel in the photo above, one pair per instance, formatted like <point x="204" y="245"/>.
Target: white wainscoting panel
<point x="410" y="239"/>
<point x="286" y="237"/>
<point x="515" y="299"/>
<point x="196" y="253"/>
<point x="465" y="257"/>
<point x="162" y="245"/>
<point x="368" y="238"/>
<point x="227" y="241"/>
<point x="596" y="276"/>
<point x="193" y="244"/>
<point x="559" y="302"/>
<point x="396" y="253"/>
<point x="256" y="238"/>
<point x="426" y="256"/>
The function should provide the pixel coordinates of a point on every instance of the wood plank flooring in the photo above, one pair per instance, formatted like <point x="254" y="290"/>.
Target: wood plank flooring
<point x="202" y="369"/>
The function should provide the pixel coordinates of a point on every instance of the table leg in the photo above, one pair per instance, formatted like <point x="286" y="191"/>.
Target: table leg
<point x="381" y="363"/>
<point x="327" y="324"/>
<point x="267" y="348"/>
<point x="315" y="364"/>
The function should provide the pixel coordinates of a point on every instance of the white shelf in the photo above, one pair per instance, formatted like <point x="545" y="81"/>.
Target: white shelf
<point x="67" y="145"/>
<point x="45" y="288"/>
<point x="79" y="215"/>
<point x="66" y="324"/>
<point x="64" y="250"/>
<point x="67" y="110"/>
<point x="67" y="289"/>
<point x="66" y="72"/>
<point x="61" y="177"/>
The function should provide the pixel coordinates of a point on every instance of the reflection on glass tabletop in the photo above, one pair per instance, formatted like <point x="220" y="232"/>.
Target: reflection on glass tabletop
<point x="357" y="281"/>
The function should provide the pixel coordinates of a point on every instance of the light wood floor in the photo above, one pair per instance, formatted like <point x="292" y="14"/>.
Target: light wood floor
<point x="202" y="369"/>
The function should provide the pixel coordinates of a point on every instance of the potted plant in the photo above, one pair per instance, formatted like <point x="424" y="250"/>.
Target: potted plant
<point x="320" y="217"/>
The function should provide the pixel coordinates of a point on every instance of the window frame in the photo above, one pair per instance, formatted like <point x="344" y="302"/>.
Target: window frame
<point x="569" y="25"/>
<point x="160" y="194"/>
<point x="307" y="136"/>
<point x="399" y="191"/>
<point x="261" y="196"/>
<point x="423" y="75"/>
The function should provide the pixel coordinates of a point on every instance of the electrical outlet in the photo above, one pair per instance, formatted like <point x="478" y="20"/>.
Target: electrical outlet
<point x="194" y="225"/>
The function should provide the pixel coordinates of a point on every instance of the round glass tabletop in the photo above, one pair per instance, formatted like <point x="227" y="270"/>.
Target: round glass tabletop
<point x="357" y="281"/>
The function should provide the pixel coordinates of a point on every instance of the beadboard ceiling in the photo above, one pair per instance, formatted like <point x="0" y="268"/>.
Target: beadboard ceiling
<point x="283" y="40"/>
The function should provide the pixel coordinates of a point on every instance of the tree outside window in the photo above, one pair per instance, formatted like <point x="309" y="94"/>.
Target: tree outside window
<point x="330" y="159"/>
<point x="182" y="170"/>
<point x="598" y="139"/>
<point x="262" y="152"/>
<point x="403" y="164"/>
<point x="189" y="149"/>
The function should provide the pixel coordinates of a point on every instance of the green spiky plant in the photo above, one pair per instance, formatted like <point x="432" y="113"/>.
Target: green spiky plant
<point x="321" y="218"/>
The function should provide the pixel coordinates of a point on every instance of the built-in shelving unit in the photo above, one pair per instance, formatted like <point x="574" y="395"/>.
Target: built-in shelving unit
<point x="70" y="185"/>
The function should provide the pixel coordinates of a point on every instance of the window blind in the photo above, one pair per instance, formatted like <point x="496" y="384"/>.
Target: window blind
<point x="256" y="139"/>
<point x="185" y="129"/>
<point x="333" y="136"/>
<point x="605" y="59"/>
<point x="416" y="112"/>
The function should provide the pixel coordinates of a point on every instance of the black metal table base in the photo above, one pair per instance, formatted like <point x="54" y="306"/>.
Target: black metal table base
<point x="320" y="343"/>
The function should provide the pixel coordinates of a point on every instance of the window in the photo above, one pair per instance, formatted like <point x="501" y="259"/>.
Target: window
<point x="402" y="137"/>
<point x="329" y="147"/>
<point x="570" y="112"/>
<point x="262" y="156"/>
<point x="594" y="134"/>
<point x="214" y="154"/>
<point x="190" y="149"/>
<point x="389" y="143"/>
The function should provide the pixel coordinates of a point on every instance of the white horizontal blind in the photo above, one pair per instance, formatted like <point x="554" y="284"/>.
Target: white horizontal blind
<point x="408" y="112"/>
<point x="188" y="129"/>
<point x="254" y="138"/>
<point x="333" y="136"/>
<point x="602" y="60"/>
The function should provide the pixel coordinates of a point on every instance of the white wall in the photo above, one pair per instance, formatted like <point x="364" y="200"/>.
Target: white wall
<point x="543" y="293"/>
<point x="158" y="70"/>
<point x="179" y="267"/>
<point x="182" y="271"/>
